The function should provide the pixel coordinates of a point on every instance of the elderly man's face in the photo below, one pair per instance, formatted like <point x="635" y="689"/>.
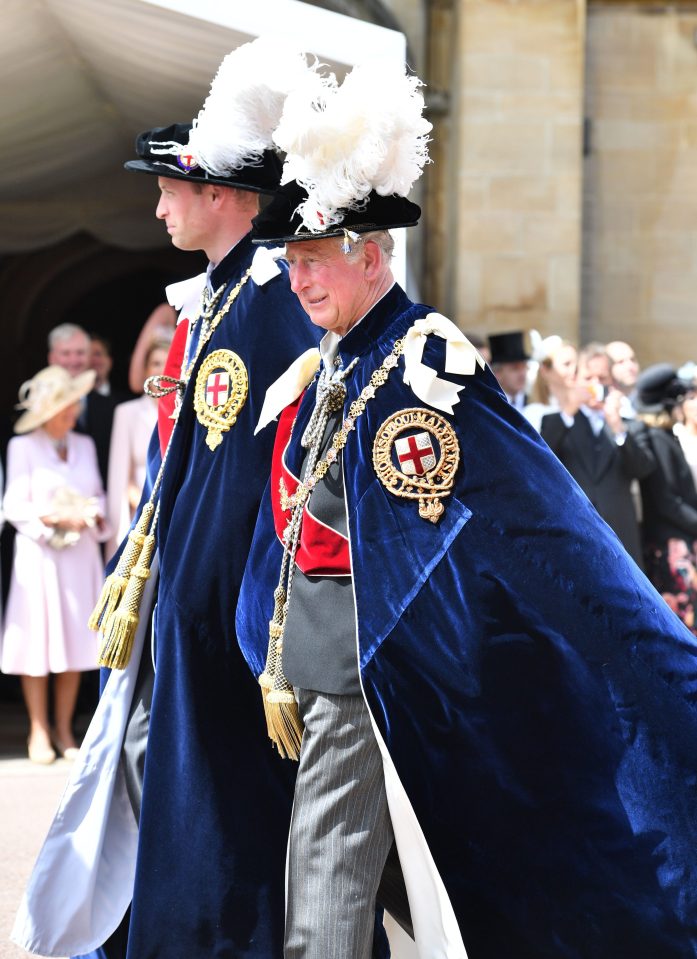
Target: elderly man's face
<point x="72" y="353"/>
<point x="332" y="287"/>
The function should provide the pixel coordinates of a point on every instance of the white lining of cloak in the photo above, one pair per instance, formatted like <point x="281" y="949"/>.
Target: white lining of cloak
<point x="436" y="929"/>
<point x="82" y="881"/>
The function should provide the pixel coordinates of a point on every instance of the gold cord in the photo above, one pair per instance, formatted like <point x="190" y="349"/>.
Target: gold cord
<point x="117" y="612"/>
<point x="283" y="722"/>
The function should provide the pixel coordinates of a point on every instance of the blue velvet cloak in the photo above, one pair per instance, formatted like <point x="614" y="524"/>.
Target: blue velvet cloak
<point x="537" y="696"/>
<point x="216" y="803"/>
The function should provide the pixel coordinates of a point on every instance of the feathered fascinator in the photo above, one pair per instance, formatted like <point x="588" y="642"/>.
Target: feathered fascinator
<point x="345" y="144"/>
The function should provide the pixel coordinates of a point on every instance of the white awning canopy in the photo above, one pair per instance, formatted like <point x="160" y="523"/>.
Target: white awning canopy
<point x="81" y="78"/>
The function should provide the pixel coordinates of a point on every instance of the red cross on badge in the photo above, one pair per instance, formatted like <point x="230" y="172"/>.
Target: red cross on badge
<point x="217" y="389"/>
<point x="415" y="454"/>
<point x="187" y="162"/>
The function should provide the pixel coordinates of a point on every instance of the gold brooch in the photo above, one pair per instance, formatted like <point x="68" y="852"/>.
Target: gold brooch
<point x="220" y="394"/>
<point x="416" y="455"/>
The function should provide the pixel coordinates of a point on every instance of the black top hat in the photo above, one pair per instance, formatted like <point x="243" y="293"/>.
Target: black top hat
<point x="659" y="388"/>
<point x="160" y="157"/>
<point x="508" y="347"/>
<point x="279" y="222"/>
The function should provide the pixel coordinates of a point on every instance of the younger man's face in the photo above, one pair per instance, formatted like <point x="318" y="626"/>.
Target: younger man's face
<point x="185" y="209"/>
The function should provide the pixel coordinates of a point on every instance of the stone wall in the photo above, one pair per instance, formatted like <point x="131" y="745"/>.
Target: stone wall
<point x="640" y="190"/>
<point x="510" y="253"/>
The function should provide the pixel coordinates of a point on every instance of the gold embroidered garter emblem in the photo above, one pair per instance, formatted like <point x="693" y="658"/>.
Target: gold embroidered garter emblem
<point x="416" y="455"/>
<point x="221" y="390"/>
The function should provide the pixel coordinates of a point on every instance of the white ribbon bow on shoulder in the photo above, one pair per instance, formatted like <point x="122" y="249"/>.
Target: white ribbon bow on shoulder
<point x="288" y="386"/>
<point x="461" y="358"/>
<point x="185" y="295"/>
<point x="264" y="266"/>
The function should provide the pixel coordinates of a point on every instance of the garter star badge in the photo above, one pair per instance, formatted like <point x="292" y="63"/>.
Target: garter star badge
<point x="220" y="393"/>
<point x="187" y="161"/>
<point x="416" y="455"/>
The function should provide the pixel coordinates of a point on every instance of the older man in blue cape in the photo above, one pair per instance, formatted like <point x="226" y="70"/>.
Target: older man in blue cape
<point x="496" y="687"/>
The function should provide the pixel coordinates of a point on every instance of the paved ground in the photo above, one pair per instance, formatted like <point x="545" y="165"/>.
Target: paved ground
<point x="29" y="795"/>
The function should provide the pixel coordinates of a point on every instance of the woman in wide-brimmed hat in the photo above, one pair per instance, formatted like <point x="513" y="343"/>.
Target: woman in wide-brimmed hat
<point x="54" y="499"/>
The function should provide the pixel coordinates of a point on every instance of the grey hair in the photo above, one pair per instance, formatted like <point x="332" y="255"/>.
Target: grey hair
<point x="64" y="332"/>
<point x="383" y="239"/>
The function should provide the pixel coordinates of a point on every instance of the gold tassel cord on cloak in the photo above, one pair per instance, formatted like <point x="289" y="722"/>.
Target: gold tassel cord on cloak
<point x="117" y="612"/>
<point x="283" y="722"/>
<point x="116" y="582"/>
<point x="117" y="616"/>
<point x="120" y="629"/>
<point x="275" y="634"/>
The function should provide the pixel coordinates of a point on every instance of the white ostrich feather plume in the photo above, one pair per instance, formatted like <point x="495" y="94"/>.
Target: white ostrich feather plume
<point x="236" y="123"/>
<point x="367" y="134"/>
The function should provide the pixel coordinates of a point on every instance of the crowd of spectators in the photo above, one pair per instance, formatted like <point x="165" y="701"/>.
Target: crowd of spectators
<point x="629" y="439"/>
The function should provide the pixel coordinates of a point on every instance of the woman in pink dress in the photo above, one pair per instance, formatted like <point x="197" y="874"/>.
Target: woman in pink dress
<point x="55" y="501"/>
<point x="134" y="422"/>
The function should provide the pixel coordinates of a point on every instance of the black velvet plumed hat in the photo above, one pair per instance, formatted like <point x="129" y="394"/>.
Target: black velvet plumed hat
<point x="353" y="152"/>
<point x="280" y="222"/>
<point x="164" y="151"/>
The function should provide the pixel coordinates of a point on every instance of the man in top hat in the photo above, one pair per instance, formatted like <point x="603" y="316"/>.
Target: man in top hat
<point x="189" y="833"/>
<point x="509" y="362"/>
<point x="454" y="646"/>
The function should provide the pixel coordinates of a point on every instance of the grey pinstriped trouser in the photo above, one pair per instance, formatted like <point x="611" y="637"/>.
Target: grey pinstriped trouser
<point x="340" y="834"/>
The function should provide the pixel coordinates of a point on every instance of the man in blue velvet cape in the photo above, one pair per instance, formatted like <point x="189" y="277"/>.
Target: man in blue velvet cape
<point x="532" y="698"/>
<point x="213" y="806"/>
<point x="204" y="823"/>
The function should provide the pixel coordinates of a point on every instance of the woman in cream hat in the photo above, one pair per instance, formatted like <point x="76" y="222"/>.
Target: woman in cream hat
<point x="54" y="499"/>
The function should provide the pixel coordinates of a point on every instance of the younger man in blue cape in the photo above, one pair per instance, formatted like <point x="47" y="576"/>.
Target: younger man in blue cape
<point x="196" y="845"/>
<point x="497" y="685"/>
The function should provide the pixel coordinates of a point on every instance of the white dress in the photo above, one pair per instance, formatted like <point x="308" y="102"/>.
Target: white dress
<point x="52" y="591"/>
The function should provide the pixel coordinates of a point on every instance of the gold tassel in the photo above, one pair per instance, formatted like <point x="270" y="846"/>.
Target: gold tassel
<point x="120" y="630"/>
<point x="275" y="633"/>
<point x="283" y="722"/>
<point x="116" y="582"/>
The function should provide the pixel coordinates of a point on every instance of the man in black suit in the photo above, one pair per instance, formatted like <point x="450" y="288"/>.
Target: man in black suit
<point x="509" y="364"/>
<point x="602" y="451"/>
<point x="69" y="346"/>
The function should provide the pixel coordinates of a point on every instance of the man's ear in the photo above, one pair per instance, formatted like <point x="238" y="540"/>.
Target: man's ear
<point x="215" y="193"/>
<point x="373" y="259"/>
